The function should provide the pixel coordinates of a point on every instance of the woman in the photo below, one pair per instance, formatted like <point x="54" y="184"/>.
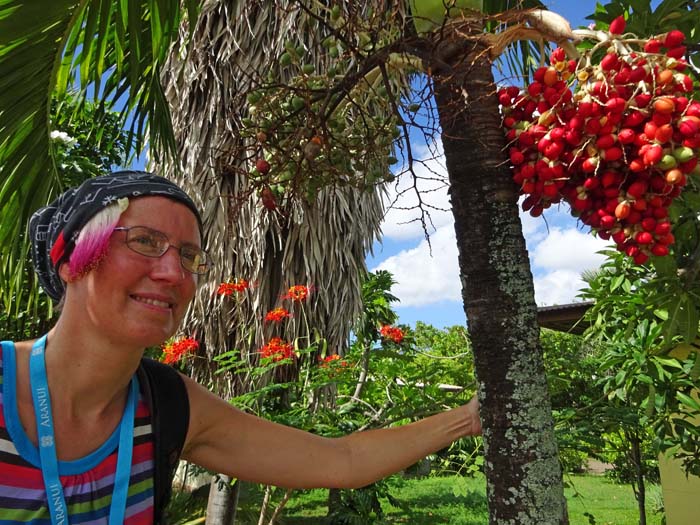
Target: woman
<point x="122" y="254"/>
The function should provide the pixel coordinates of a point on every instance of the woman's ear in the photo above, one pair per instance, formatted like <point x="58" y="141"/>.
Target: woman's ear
<point x="64" y="273"/>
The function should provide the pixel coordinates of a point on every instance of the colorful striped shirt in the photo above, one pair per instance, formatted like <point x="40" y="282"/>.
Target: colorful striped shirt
<point x="87" y="482"/>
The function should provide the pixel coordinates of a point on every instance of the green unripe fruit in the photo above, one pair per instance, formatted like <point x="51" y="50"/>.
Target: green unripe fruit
<point x="285" y="59"/>
<point x="298" y="103"/>
<point x="335" y="12"/>
<point x="683" y="154"/>
<point x="308" y="68"/>
<point x="253" y="97"/>
<point x="334" y="52"/>
<point x="667" y="162"/>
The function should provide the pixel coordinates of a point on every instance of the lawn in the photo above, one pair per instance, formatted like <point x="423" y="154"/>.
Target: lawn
<point x="462" y="501"/>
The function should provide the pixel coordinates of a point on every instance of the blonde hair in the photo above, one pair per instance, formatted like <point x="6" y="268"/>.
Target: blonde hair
<point x="93" y="239"/>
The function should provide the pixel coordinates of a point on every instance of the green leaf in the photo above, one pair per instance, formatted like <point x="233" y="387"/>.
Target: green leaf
<point x="688" y="401"/>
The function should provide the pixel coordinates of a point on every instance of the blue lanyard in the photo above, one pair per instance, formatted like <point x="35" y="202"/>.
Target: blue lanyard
<point x="47" y="446"/>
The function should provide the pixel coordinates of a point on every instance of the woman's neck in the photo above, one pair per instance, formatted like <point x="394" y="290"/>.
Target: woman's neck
<point x="87" y="374"/>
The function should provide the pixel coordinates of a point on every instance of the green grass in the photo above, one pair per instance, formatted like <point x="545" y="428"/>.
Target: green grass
<point x="462" y="501"/>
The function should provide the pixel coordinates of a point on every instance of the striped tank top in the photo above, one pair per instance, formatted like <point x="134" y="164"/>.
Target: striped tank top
<point x="88" y="482"/>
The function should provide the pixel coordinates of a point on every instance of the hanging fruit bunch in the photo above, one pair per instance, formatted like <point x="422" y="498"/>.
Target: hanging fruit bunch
<point x="613" y="134"/>
<point x="308" y="130"/>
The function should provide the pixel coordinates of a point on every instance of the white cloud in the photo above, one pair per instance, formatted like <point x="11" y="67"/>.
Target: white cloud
<point x="402" y="220"/>
<point x="557" y="287"/>
<point x="423" y="279"/>
<point x="558" y="255"/>
<point x="568" y="249"/>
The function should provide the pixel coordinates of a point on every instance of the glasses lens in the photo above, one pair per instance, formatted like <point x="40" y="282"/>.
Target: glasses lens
<point x="147" y="242"/>
<point x="194" y="260"/>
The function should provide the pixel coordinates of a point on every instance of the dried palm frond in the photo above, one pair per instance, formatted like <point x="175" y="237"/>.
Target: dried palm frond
<point x="322" y="243"/>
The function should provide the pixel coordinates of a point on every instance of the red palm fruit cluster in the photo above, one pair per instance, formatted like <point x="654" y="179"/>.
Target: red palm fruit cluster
<point x="616" y="139"/>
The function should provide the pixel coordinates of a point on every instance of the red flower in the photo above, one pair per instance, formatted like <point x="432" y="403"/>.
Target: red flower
<point x="330" y="360"/>
<point x="176" y="349"/>
<point x="231" y="287"/>
<point x="298" y="293"/>
<point x="277" y="315"/>
<point x="278" y="349"/>
<point x="392" y="333"/>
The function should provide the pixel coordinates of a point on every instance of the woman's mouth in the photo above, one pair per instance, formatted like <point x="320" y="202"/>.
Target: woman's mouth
<point x="153" y="302"/>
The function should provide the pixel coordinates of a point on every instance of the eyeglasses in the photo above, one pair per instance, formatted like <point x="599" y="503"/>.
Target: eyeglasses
<point x="153" y="243"/>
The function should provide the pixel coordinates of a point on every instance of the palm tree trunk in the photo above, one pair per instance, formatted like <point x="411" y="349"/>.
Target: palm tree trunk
<point x="223" y="500"/>
<point x="522" y="467"/>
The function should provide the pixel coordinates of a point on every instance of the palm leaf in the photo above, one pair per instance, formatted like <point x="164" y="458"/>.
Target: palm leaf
<point x="114" y="48"/>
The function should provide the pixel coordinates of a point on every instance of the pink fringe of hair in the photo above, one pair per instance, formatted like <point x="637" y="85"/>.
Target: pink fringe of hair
<point x="93" y="240"/>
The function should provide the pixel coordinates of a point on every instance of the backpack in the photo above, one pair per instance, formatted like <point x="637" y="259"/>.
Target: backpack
<point x="170" y="415"/>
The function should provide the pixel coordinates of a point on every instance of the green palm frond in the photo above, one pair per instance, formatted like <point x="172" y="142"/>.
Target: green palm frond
<point x="109" y="49"/>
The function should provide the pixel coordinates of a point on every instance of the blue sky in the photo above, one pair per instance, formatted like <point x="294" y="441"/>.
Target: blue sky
<point x="428" y="284"/>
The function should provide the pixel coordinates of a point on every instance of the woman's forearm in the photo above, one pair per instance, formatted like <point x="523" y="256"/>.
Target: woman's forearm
<point x="375" y="454"/>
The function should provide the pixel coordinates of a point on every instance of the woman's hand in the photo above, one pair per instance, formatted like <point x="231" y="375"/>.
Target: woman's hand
<point x="471" y="412"/>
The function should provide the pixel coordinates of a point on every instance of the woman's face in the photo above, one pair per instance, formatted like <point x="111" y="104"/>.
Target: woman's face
<point x="131" y="298"/>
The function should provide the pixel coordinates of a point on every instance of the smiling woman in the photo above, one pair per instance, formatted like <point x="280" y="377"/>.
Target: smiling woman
<point x="81" y="433"/>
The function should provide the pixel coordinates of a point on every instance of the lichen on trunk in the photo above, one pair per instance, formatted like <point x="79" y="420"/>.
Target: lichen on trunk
<point x="522" y="467"/>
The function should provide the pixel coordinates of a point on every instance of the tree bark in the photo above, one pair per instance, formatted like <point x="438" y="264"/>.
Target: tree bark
<point x="524" y="478"/>
<point x="223" y="500"/>
<point x="640" y="489"/>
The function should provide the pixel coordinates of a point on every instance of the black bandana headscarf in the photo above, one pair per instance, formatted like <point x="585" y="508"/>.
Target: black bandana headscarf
<point x="54" y="229"/>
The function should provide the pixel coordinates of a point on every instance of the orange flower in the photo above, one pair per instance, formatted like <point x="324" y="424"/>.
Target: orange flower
<point x="277" y="315"/>
<point x="298" y="293"/>
<point x="277" y="349"/>
<point x="333" y="360"/>
<point x="231" y="287"/>
<point x="176" y="349"/>
<point x="392" y="333"/>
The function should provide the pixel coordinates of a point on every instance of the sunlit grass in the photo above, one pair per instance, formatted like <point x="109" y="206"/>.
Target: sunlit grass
<point x="459" y="501"/>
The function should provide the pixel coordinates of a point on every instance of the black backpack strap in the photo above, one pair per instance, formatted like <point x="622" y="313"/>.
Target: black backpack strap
<point x="170" y="416"/>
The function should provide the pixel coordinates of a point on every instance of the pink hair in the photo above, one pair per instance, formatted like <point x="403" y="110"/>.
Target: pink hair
<point x="93" y="240"/>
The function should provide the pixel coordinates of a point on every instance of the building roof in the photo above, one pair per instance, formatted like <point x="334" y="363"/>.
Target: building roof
<point x="565" y="317"/>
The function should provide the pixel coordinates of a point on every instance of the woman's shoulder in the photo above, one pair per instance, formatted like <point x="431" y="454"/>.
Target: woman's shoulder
<point x="23" y="346"/>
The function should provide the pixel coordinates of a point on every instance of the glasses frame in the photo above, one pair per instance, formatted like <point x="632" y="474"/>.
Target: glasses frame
<point x="168" y="245"/>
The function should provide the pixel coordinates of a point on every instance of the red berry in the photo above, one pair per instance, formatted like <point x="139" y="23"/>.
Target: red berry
<point x="659" y="250"/>
<point x="677" y="52"/>
<point x="607" y="222"/>
<point x="649" y="223"/>
<point x="616" y="104"/>
<point x="637" y="189"/>
<point x="643" y="238"/>
<point x="626" y="136"/>
<point x="641" y="258"/>
<point x="619" y="237"/>
<point x="652" y="46"/>
<point x="612" y="154"/>
<point x="617" y="26"/>
<point x="662" y="228"/>
<point x="516" y="157"/>
<point x="262" y="166"/>
<point x="674" y="38"/>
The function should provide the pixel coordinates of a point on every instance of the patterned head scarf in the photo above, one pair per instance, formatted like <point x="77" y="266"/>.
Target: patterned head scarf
<point x="54" y="229"/>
